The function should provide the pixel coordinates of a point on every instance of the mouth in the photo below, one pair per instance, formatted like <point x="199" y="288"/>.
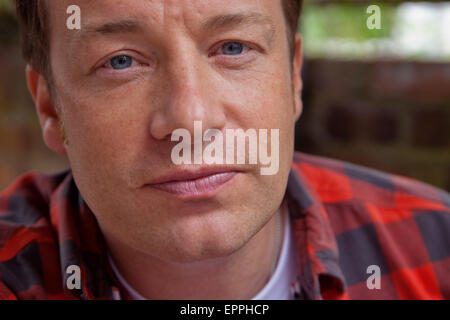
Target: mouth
<point x="192" y="185"/>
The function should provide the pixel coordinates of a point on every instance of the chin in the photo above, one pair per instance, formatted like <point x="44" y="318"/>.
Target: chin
<point x="196" y="250"/>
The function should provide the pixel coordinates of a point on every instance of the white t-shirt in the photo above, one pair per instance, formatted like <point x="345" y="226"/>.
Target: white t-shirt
<point x="282" y="285"/>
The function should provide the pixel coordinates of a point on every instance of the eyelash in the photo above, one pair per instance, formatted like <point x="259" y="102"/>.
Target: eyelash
<point x="214" y="53"/>
<point x="219" y="46"/>
<point x="107" y="63"/>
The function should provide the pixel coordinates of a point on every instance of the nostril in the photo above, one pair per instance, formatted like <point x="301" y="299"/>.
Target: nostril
<point x="159" y="127"/>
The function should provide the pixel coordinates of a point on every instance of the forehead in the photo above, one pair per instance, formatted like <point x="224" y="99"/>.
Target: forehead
<point x="160" y="14"/>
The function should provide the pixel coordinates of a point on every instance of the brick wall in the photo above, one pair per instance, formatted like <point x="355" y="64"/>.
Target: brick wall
<point x="389" y="115"/>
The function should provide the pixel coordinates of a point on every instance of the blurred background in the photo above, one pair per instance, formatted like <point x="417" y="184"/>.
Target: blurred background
<point x="380" y="98"/>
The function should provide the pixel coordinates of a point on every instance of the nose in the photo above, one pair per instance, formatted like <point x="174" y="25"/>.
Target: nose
<point x="189" y="97"/>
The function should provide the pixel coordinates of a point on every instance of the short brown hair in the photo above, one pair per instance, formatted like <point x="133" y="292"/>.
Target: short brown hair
<point x="32" y="18"/>
<point x="33" y="21"/>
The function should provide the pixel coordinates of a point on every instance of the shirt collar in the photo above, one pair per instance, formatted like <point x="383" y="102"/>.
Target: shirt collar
<point x="317" y="248"/>
<point x="80" y="243"/>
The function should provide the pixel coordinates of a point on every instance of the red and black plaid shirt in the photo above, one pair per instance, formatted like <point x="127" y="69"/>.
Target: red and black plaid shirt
<point x="345" y="218"/>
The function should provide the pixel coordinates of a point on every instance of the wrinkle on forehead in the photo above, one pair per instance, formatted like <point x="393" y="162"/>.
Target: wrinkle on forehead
<point x="176" y="11"/>
<point x="189" y="13"/>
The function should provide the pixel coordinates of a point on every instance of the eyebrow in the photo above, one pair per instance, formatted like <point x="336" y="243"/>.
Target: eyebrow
<point x="231" y="20"/>
<point x="236" y="20"/>
<point x="121" y="26"/>
<point x="210" y="24"/>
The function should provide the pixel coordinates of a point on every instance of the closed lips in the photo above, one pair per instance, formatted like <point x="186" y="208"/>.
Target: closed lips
<point x="194" y="184"/>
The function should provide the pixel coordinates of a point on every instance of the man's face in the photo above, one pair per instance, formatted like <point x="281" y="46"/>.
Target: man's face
<point x="225" y="63"/>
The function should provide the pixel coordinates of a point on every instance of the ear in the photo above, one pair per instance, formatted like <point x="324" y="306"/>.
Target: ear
<point x="296" y="76"/>
<point x="48" y="116"/>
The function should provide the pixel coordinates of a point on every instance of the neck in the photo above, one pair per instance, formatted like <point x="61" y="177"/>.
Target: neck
<point x="240" y="275"/>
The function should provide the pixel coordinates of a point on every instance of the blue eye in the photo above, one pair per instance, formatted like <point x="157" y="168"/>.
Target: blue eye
<point x="121" y="62"/>
<point x="232" y="48"/>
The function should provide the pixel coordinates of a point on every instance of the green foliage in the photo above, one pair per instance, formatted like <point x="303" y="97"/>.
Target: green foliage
<point x="344" y="21"/>
<point x="339" y="30"/>
<point x="6" y="6"/>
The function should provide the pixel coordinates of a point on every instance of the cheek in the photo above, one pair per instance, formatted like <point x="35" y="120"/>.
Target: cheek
<point x="104" y="134"/>
<point x="264" y="101"/>
<point x="260" y="98"/>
